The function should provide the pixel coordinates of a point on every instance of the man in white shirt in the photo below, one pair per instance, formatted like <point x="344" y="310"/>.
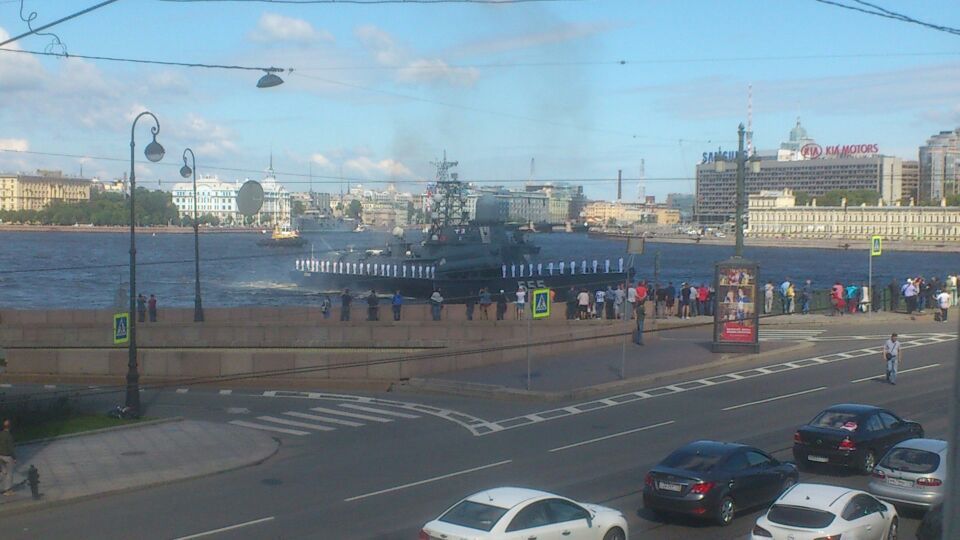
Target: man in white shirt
<point x="891" y="353"/>
<point x="521" y="301"/>
<point x="631" y="301"/>
<point x="583" y="304"/>
<point x="943" y="301"/>
<point x="909" y="292"/>
<point x="767" y="298"/>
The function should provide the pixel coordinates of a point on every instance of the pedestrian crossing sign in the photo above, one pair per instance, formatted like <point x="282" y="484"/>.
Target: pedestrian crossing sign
<point x="876" y="246"/>
<point x="121" y="328"/>
<point x="541" y="303"/>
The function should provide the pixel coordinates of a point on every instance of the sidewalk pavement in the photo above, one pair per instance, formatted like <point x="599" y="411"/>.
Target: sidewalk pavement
<point x="133" y="457"/>
<point x="676" y="349"/>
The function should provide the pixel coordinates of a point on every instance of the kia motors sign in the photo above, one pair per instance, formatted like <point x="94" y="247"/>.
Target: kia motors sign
<point x="814" y="150"/>
<point x="811" y="151"/>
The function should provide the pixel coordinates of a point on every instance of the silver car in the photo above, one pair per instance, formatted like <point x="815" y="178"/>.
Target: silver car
<point x="913" y="473"/>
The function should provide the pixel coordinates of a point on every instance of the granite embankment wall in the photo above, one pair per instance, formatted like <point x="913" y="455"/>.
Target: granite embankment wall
<point x="269" y="340"/>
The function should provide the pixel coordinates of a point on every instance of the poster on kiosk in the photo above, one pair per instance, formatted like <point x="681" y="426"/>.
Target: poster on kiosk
<point x="736" y="319"/>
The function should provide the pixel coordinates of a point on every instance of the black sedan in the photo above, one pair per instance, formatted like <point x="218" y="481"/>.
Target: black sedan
<point x="713" y="480"/>
<point x="851" y="436"/>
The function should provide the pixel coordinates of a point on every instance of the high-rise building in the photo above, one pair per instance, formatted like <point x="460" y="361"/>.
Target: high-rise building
<point x="910" y="183"/>
<point x="940" y="166"/>
<point x="37" y="191"/>
<point x="801" y="165"/>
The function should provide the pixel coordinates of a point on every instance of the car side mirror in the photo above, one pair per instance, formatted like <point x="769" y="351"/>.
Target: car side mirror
<point x="590" y="516"/>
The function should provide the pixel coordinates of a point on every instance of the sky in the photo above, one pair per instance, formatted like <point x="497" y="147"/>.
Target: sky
<point x="584" y="88"/>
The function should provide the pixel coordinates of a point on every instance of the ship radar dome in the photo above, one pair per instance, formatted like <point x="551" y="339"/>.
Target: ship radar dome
<point x="488" y="210"/>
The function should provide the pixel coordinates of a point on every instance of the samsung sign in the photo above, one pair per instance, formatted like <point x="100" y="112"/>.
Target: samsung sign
<point x="719" y="155"/>
<point x="814" y="151"/>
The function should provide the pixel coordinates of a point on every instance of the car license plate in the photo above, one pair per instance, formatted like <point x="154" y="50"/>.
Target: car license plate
<point x="667" y="486"/>
<point x="898" y="482"/>
<point x="818" y="459"/>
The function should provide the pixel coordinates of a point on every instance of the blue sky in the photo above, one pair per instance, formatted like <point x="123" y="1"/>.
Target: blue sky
<point x="381" y="90"/>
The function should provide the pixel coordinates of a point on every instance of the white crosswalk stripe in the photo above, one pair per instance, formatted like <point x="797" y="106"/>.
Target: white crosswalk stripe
<point x="378" y="411"/>
<point x="295" y="423"/>
<point x="351" y="415"/>
<point x="262" y="427"/>
<point x="324" y="419"/>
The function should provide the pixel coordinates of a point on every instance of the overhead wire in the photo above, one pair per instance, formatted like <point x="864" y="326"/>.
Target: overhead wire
<point x="54" y="23"/>
<point x="885" y="13"/>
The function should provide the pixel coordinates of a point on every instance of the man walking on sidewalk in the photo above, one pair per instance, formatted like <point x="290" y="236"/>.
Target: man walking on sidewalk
<point x="7" y="459"/>
<point x="891" y="353"/>
<point x="943" y="302"/>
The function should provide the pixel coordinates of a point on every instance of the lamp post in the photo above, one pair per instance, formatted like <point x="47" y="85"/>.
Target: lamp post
<point x="154" y="152"/>
<point x="741" y="158"/>
<point x="185" y="172"/>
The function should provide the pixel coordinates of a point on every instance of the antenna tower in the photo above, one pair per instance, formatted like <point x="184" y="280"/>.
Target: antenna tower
<point x="533" y="168"/>
<point x="451" y="208"/>
<point x="749" y="120"/>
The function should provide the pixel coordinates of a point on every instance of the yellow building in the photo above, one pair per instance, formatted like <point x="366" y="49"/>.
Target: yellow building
<point x="601" y="212"/>
<point x="36" y="192"/>
<point x="774" y="214"/>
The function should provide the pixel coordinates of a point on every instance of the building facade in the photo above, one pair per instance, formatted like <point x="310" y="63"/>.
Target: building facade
<point x="910" y="183"/>
<point x="940" y="166"/>
<point x="37" y="191"/>
<point x="774" y="214"/>
<point x="219" y="199"/>
<point x="717" y="184"/>
<point x="600" y="213"/>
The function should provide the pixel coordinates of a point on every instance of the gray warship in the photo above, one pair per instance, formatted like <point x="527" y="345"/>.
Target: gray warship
<point x="454" y="255"/>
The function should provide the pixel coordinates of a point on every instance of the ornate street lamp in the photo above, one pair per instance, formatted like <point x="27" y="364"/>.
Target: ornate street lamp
<point x="185" y="172"/>
<point x="154" y="152"/>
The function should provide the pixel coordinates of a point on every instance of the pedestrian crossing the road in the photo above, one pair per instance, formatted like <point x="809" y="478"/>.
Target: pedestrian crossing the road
<point x="324" y="419"/>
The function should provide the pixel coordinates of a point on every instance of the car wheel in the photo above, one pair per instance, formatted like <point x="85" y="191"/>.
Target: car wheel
<point x="615" y="533"/>
<point x="868" y="462"/>
<point x="726" y="511"/>
<point x="894" y="529"/>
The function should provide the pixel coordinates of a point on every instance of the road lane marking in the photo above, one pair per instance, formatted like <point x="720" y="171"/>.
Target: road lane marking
<point x="768" y="400"/>
<point x="351" y="415"/>
<point x="598" y="439"/>
<point x="378" y="411"/>
<point x="252" y="425"/>
<point x="324" y="419"/>
<point x="428" y="480"/>
<point x="226" y="392"/>
<point x="878" y="377"/>
<point x="295" y="423"/>
<point x="182" y="390"/>
<point x="225" y="529"/>
<point x="696" y="384"/>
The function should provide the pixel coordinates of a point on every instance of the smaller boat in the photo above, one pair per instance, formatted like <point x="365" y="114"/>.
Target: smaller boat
<point x="283" y="236"/>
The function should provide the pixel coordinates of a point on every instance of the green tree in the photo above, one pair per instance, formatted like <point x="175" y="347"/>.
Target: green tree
<point x="355" y="209"/>
<point x="953" y="200"/>
<point x="297" y="208"/>
<point x="803" y="198"/>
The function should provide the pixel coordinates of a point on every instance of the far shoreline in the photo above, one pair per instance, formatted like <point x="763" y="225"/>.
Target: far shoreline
<point x="164" y="229"/>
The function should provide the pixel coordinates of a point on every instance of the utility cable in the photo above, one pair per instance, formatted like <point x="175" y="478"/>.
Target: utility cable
<point x="145" y="61"/>
<point x="881" y="12"/>
<point x="54" y="23"/>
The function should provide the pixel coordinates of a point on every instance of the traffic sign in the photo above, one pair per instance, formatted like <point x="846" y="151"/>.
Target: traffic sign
<point x="121" y="328"/>
<point x="876" y="246"/>
<point x="541" y="303"/>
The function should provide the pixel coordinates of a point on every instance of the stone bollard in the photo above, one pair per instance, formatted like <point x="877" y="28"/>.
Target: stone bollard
<point x="33" y="480"/>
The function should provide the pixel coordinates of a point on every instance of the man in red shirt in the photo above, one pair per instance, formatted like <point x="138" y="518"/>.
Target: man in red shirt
<point x="702" y="294"/>
<point x="642" y="295"/>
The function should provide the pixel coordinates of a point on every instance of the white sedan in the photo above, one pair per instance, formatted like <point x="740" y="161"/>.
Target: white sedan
<point x="821" y="512"/>
<point x="520" y="514"/>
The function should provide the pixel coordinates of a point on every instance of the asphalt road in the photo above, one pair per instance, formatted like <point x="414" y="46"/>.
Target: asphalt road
<point x="383" y="480"/>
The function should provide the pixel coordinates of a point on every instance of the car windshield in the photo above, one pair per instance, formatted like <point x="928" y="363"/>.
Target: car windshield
<point x="836" y="420"/>
<point x="911" y="460"/>
<point x="474" y="515"/>
<point x="692" y="461"/>
<point x="797" y="516"/>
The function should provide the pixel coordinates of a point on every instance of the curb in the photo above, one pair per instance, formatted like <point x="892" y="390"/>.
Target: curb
<point x="29" y="505"/>
<point x="468" y="389"/>
<point x="144" y="423"/>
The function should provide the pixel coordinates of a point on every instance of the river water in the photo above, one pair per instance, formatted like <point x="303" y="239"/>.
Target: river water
<point x="85" y="270"/>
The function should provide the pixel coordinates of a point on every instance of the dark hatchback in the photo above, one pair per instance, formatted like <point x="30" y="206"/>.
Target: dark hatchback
<point x="851" y="435"/>
<point x="713" y="480"/>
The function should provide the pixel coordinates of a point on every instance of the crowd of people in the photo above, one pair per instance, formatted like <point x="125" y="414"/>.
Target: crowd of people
<point x="688" y="300"/>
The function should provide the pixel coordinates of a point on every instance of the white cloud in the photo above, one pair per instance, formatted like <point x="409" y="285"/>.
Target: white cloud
<point x="217" y="140"/>
<point x="558" y="34"/>
<point x="410" y="69"/>
<point x="321" y="160"/>
<point x="383" y="169"/>
<point x="274" y="28"/>
<point x="18" y="145"/>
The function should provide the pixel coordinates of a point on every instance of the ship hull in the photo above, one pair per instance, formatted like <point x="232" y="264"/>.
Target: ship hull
<point x="455" y="290"/>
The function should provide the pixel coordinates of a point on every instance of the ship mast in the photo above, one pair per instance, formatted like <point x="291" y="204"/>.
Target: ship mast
<point x="451" y="205"/>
